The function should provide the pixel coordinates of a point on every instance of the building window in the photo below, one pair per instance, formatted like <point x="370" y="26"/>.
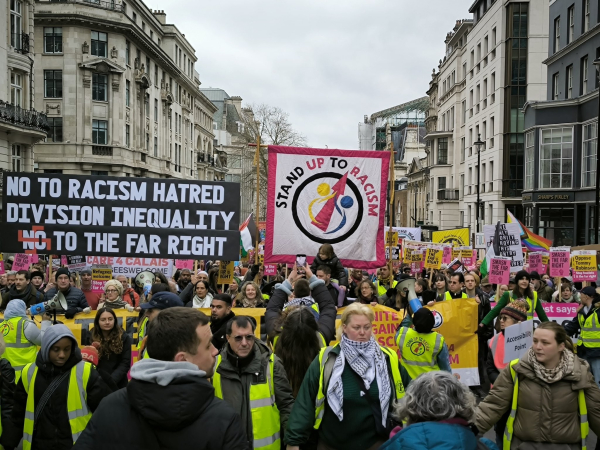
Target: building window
<point x="99" y="44"/>
<point x="155" y="146"/>
<point x="134" y="18"/>
<point x="17" y="158"/>
<point x="442" y="151"/>
<point x="556" y="34"/>
<point x="16" y="23"/>
<point x="462" y="149"/>
<point x="99" y="87"/>
<point x="529" y="159"/>
<point x="569" y="81"/>
<point x="151" y="35"/>
<point x="556" y="158"/>
<point x="53" y="40"/>
<point x="441" y="182"/>
<point x="99" y="131"/>
<point x="571" y="17"/>
<point x="156" y="80"/>
<point x="99" y="173"/>
<point x="127" y="136"/>
<point x="557" y="225"/>
<point x="147" y="141"/>
<point x="555" y="80"/>
<point x="147" y="104"/>
<point x="143" y="26"/>
<point x="56" y="129"/>
<point x="586" y="15"/>
<point x="127" y="92"/>
<point x="589" y="152"/>
<point x="127" y="52"/>
<point x="16" y="89"/>
<point x="584" y="75"/>
<point x="155" y="110"/>
<point x="464" y="112"/>
<point x="53" y="83"/>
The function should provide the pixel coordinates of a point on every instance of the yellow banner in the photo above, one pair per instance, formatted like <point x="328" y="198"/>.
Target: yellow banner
<point x="391" y="238"/>
<point x="584" y="263"/>
<point x="458" y="237"/>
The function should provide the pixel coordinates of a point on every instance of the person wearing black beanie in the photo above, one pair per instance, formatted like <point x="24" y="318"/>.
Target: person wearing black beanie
<point x="422" y="349"/>
<point x="523" y="291"/>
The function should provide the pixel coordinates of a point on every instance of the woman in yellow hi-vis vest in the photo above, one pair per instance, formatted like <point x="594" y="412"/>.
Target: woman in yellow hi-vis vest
<point x="550" y="393"/>
<point x="55" y="396"/>
<point x="349" y="389"/>
<point x="422" y="349"/>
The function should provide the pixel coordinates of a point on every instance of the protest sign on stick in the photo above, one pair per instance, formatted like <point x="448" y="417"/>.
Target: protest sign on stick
<point x="535" y="263"/>
<point x="584" y="265"/>
<point x="226" y="270"/>
<point x="270" y="270"/>
<point x="499" y="270"/>
<point x="467" y="256"/>
<point x="99" y="278"/>
<point x="184" y="264"/>
<point x="510" y="243"/>
<point x="518" y="339"/>
<point x="21" y="262"/>
<point x="433" y="258"/>
<point x="559" y="261"/>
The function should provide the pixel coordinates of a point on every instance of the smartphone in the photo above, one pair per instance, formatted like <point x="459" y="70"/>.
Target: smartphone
<point x="300" y="260"/>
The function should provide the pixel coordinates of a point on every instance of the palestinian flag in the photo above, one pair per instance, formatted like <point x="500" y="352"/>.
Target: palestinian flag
<point x="247" y="235"/>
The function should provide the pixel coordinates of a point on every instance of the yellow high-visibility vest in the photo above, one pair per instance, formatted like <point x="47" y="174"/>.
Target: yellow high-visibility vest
<point x="19" y="351"/>
<point x="381" y="290"/>
<point x="590" y="330"/>
<point x="510" y="424"/>
<point x="77" y="409"/>
<point x="320" y="400"/>
<point x="419" y="351"/>
<point x="266" y="424"/>
<point x="448" y="296"/>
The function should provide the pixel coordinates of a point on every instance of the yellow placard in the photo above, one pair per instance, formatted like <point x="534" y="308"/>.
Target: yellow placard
<point x="407" y="254"/>
<point x="458" y="237"/>
<point x="433" y="258"/>
<point x="584" y="263"/>
<point x="226" y="270"/>
<point x="456" y="253"/>
<point x="391" y="238"/>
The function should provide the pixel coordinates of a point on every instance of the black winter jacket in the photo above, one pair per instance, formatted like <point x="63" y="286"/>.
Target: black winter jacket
<point x="7" y="392"/>
<point x="320" y="294"/>
<point x="219" y="329"/>
<point x="30" y="296"/>
<point x="337" y="270"/>
<point x="117" y="365"/>
<point x="75" y="298"/>
<point x="52" y="430"/>
<point x="146" y="416"/>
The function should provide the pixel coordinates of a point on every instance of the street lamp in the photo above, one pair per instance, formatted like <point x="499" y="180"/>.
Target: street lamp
<point x="597" y="206"/>
<point x="478" y="144"/>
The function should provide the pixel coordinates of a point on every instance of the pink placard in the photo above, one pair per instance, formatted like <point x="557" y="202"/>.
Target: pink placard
<point x="447" y="255"/>
<point x="35" y="258"/>
<point x="184" y="264"/>
<point x="536" y="264"/>
<point x="584" y="276"/>
<point x="2" y="270"/>
<point x="499" y="270"/>
<point x="98" y="286"/>
<point x="416" y="267"/>
<point x="270" y="269"/>
<point x="63" y="260"/>
<point x="560" y="263"/>
<point x="21" y="262"/>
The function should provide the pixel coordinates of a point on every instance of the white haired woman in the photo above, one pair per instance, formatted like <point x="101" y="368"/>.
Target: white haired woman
<point x="349" y="389"/>
<point x="113" y="297"/>
<point x="438" y="410"/>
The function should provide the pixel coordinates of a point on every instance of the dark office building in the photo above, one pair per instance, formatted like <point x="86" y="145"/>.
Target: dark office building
<point x="561" y="132"/>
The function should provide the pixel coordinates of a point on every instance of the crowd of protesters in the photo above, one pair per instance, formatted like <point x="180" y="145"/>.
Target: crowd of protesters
<point x="210" y="382"/>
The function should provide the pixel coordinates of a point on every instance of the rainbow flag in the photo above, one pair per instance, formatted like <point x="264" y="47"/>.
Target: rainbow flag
<point x="531" y="241"/>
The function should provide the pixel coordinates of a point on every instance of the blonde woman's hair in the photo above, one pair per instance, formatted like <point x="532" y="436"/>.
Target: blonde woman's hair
<point x="355" y="309"/>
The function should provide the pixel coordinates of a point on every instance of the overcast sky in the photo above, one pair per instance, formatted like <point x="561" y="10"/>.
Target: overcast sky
<point x="326" y="62"/>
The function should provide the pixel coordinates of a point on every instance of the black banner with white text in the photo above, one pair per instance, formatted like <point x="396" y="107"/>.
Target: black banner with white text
<point x="120" y="216"/>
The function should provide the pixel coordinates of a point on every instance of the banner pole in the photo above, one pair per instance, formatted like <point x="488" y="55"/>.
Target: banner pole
<point x="256" y="160"/>
<point x="430" y="277"/>
<point x="390" y="209"/>
<point x="50" y="269"/>
<point x="195" y="266"/>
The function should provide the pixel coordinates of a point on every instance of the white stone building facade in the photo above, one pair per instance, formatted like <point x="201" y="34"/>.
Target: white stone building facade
<point x="121" y="92"/>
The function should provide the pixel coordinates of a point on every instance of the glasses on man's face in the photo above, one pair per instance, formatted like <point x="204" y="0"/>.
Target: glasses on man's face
<point x="110" y="291"/>
<point x="249" y="338"/>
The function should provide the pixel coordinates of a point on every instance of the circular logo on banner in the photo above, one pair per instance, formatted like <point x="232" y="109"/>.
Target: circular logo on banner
<point x="327" y="207"/>
<point x="439" y="319"/>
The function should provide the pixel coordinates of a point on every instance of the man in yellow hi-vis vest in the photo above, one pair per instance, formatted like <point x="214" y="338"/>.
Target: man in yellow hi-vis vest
<point x="252" y="379"/>
<point x="56" y="395"/>
<point x="422" y="349"/>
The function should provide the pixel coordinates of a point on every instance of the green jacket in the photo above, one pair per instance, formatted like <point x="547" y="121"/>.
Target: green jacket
<point x="504" y="300"/>
<point x="356" y="432"/>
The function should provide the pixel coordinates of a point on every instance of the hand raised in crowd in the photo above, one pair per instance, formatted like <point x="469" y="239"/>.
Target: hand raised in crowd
<point x="477" y="299"/>
<point x="194" y="278"/>
<point x="308" y="272"/>
<point x="48" y="287"/>
<point x="293" y="276"/>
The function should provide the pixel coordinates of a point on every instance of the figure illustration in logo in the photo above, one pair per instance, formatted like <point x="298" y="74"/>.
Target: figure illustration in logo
<point x="335" y="201"/>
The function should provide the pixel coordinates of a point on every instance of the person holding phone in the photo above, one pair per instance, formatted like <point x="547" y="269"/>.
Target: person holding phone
<point x="327" y="257"/>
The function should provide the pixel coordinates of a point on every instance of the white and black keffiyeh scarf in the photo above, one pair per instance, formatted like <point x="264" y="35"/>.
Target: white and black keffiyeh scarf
<point x="367" y="360"/>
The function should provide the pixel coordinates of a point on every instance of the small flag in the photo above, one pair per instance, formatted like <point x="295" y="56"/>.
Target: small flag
<point x="247" y="235"/>
<point x="531" y="241"/>
<point x="493" y="250"/>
